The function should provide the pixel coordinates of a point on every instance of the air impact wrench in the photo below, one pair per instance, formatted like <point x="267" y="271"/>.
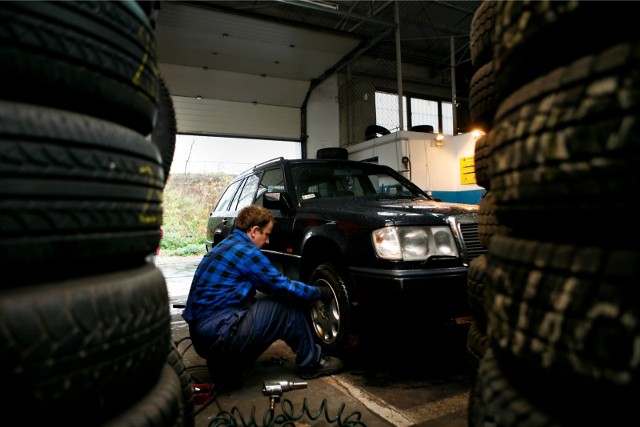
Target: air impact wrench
<point x="276" y="388"/>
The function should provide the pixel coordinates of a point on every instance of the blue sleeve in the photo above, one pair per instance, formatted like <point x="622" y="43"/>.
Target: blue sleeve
<point x="269" y="280"/>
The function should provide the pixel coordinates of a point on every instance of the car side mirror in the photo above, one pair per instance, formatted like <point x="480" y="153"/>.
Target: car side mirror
<point x="277" y="200"/>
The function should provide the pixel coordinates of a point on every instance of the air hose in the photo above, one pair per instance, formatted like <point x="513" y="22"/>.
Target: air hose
<point x="288" y="417"/>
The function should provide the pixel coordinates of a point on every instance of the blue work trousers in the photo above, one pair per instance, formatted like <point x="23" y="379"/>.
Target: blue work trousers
<point x="266" y="321"/>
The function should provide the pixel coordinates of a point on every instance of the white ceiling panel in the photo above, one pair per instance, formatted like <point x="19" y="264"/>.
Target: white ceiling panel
<point x="222" y="118"/>
<point x="231" y="86"/>
<point x="193" y="36"/>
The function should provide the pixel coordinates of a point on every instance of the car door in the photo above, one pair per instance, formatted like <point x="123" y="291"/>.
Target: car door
<point x="219" y="222"/>
<point x="239" y="193"/>
<point x="280" y="250"/>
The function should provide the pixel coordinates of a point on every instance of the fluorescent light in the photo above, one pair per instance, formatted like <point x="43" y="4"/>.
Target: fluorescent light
<point x="319" y="3"/>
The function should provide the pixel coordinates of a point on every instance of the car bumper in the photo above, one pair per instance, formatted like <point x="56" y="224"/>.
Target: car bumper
<point x="440" y="293"/>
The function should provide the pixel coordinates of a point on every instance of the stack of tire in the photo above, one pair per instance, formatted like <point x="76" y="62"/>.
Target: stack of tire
<point x="557" y="334"/>
<point x="87" y="133"/>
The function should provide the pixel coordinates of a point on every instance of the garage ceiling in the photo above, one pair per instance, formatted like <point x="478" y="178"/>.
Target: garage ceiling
<point x="304" y="41"/>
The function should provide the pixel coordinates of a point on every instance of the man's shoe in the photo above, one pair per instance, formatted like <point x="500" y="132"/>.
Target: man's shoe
<point x="328" y="365"/>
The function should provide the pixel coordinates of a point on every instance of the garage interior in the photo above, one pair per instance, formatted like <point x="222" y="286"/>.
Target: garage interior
<point x="307" y="70"/>
<point x="83" y="319"/>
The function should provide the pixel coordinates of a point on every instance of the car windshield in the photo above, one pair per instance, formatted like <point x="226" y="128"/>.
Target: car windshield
<point x="341" y="179"/>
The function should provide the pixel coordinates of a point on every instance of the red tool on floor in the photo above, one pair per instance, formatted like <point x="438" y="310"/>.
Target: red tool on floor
<point x="202" y="393"/>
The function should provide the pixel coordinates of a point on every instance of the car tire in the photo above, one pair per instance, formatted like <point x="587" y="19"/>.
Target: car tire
<point x="333" y="322"/>
<point x="85" y="348"/>
<point x="97" y="58"/>
<point x="77" y="193"/>
<point x="161" y="407"/>
<point x="165" y="130"/>
<point x="332" y="153"/>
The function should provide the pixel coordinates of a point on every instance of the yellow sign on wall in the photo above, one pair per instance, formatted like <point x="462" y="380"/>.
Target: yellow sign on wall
<point x="467" y="170"/>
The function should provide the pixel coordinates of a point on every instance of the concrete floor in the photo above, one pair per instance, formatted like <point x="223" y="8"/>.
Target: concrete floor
<point x="426" y="386"/>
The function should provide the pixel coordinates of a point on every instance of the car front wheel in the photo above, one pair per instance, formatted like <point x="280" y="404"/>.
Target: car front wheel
<point x="332" y="320"/>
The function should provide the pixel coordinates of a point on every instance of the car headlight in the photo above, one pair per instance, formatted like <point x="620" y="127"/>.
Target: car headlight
<point x="413" y="243"/>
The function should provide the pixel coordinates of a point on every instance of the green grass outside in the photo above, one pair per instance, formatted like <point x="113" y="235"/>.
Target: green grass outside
<point x="188" y="200"/>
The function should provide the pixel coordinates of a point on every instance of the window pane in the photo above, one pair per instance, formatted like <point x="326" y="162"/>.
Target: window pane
<point x="272" y="180"/>
<point x="248" y="191"/>
<point x="424" y="112"/>
<point x="387" y="111"/>
<point x="447" y="118"/>
<point x="225" y="200"/>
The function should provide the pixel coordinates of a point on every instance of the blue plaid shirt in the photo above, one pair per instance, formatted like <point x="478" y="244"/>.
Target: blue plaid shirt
<point x="229" y="275"/>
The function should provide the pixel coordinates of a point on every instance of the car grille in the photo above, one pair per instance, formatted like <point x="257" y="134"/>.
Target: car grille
<point x="471" y="240"/>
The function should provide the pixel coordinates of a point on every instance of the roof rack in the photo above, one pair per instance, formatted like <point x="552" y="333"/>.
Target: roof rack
<point x="275" y="159"/>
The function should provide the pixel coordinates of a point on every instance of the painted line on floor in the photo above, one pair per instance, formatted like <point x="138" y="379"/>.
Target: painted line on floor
<point x="374" y="404"/>
<point x="432" y="410"/>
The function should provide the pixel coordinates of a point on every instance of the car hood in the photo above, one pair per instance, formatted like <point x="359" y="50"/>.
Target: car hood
<point x="398" y="211"/>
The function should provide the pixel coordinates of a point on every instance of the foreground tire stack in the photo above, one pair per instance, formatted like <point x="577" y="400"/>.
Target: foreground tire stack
<point x="561" y="302"/>
<point x="87" y="132"/>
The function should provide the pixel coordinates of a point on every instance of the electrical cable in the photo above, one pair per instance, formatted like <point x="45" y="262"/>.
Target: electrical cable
<point x="408" y="165"/>
<point x="177" y="343"/>
<point x="426" y="166"/>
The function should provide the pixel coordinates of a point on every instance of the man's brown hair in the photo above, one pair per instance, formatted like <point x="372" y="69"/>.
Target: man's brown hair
<point x="253" y="215"/>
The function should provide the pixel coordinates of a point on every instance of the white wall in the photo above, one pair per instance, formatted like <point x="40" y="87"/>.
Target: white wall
<point x="435" y="169"/>
<point x="323" y="117"/>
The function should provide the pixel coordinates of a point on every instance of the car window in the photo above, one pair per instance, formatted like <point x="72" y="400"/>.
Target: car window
<point x="248" y="191"/>
<point x="314" y="181"/>
<point x="226" y="198"/>
<point x="272" y="180"/>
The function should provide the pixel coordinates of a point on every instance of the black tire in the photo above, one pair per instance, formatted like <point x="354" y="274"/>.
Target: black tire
<point x="488" y="224"/>
<point x="476" y="284"/>
<point x="480" y="38"/>
<point x="530" y="38"/>
<point x="559" y="147"/>
<point x="422" y="128"/>
<point x="161" y="407"/>
<point x="484" y="98"/>
<point x="76" y="193"/>
<point x="164" y="132"/>
<point x="477" y="344"/>
<point x="83" y="350"/>
<point x="558" y="310"/>
<point x="187" y="402"/>
<point x="332" y="153"/>
<point x="498" y="402"/>
<point x="97" y="58"/>
<point x="481" y="158"/>
<point x="372" y="131"/>
<point x="333" y="322"/>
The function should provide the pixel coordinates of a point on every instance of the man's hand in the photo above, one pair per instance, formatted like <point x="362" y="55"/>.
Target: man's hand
<point x="325" y="293"/>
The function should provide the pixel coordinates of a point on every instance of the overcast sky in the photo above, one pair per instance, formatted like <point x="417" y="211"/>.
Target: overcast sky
<point x="204" y="154"/>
